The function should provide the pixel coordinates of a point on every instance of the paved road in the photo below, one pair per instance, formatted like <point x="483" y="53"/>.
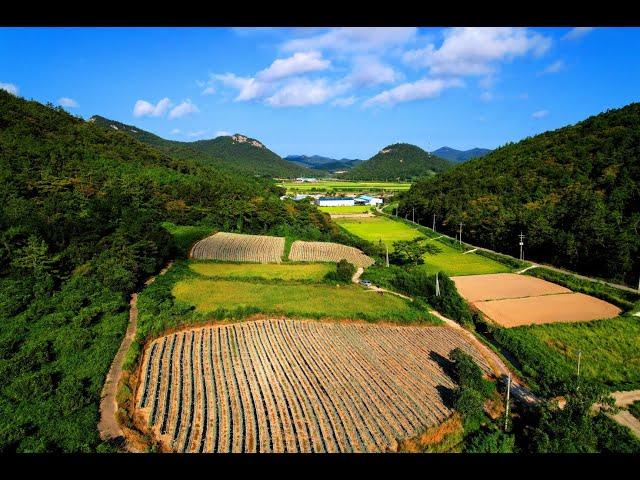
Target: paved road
<point x="108" y="426"/>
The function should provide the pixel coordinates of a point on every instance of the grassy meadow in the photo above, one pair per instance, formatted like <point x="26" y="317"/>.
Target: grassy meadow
<point x="346" y="210"/>
<point x="448" y="260"/>
<point x="323" y="186"/>
<point x="286" y="271"/>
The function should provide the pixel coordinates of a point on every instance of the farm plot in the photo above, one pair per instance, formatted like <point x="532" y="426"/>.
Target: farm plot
<point x="327" y="252"/>
<point x="283" y="271"/>
<point x="295" y="386"/>
<point x="236" y="247"/>
<point x="513" y="300"/>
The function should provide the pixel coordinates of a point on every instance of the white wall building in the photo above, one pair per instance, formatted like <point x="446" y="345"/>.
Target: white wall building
<point x="335" y="202"/>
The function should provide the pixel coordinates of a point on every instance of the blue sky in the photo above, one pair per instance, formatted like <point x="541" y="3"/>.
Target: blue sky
<point x="339" y="92"/>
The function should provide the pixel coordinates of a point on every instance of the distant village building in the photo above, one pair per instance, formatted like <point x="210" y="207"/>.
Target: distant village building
<point x="306" y="179"/>
<point x="367" y="200"/>
<point x="335" y="202"/>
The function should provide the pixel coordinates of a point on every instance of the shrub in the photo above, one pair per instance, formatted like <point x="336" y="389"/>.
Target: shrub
<point x="344" y="272"/>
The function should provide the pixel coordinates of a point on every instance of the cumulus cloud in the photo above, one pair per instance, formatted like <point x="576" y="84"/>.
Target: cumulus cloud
<point x="540" y="114"/>
<point x="185" y="108"/>
<point x="298" y="63"/>
<point x="142" y="108"/>
<point x="9" y="87"/>
<point x="425" y="88"/>
<point x="209" y="91"/>
<point x="67" y="102"/>
<point x="248" y="88"/>
<point x="354" y="39"/>
<point x="344" y="101"/>
<point x="577" y="32"/>
<point x="554" y="67"/>
<point x="176" y="131"/>
<point x="300" y="92"/>
<point x="222" y="133"/>
<point x="477" y="50"/>
<point x="368" y="70"/>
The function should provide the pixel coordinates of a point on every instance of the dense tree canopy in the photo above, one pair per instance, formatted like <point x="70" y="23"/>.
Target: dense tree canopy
<point x="573" y="192"/>
<point x="400" y="161"/>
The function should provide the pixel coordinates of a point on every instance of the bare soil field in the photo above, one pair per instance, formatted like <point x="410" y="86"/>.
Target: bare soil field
<point x="513" y="300"/>
<point x="498" y="286"/>
<point x="296" y="386"/>
<point x="565" y="307"/>
<point x="235" y="247"/>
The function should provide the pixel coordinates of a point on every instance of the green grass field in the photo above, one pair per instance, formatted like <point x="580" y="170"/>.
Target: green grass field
<point x="302" y="300"/>
<point x="448" y="260"/>
<point x="288" y="271"/>
<point x="186" y="235"/>
<point x="346" y="210"/>
<point x="610" y="350"/>
<point x="344" y="186"/>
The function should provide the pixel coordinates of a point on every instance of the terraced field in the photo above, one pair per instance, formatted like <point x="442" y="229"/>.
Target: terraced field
<point x="283" y="271"/>
<point x="295" y="386"/>
<point x="327" y="252"/>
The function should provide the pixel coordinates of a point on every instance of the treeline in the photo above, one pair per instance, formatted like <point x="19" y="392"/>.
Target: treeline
<point x="81" y="208"/>
<point x="573" y="192"/>
<point x="400" y="161"/>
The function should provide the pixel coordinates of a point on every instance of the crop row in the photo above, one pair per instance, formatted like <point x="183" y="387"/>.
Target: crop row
<point x="236" y="247"/>
<point x="296" y="386"/>
<point x="327" y="252"/>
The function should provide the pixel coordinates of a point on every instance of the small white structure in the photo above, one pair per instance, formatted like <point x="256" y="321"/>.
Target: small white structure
<point x="306" y="180"/>
<point x="367" y="200"/>
<point x="335" y="202"/>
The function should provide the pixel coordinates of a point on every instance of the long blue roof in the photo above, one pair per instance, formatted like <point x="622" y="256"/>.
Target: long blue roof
<point x="335" y="198"/>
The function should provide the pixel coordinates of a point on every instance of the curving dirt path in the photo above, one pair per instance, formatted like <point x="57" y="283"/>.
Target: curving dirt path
<point x="108" y="426"/>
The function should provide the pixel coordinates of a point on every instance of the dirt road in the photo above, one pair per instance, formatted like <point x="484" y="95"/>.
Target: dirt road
<point x="108" y="425"/>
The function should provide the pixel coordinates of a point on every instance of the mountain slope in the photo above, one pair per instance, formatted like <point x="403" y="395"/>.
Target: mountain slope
<point x="80" y="229"/>
<point x="459" y="156"/>
<point x="238" y="153"/>
<point x="400" y="161"/>
<point x="574" y="192"/>
<point x="321" y="163"/>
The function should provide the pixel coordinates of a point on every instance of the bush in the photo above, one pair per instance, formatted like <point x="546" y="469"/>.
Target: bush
<point x="344" y="272"/>
<point x="490" y="440"/>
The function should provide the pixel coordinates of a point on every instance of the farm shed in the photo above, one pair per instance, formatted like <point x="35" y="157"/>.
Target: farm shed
<point x="367" y="200"/>
<point x="335" y="202"/>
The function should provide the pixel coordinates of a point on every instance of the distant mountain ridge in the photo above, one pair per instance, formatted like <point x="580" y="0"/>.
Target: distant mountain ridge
<point x="237" y="152"/>
<point x="319" y="162"/>
<point x="400" y="161"/>
<point x="459" y="156"/>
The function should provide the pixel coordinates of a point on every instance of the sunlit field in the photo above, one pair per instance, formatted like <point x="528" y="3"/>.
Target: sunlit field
<point x="346" y="210"/>
<point x="323" y="186"/>
<point x="304" y="271"/>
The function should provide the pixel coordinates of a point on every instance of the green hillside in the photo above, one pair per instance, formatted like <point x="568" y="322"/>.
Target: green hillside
<point x="574" y="193"/>
<point x="400" y="161"/>
<point x="238" y="153"/>
<point x="81" y="208"/>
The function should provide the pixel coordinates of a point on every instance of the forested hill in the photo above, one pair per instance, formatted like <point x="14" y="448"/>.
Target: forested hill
<point x="81" y="208"/>
<point x="574" y="192"/>
<point x="459" y="156"/>
<point x="238" y="153"/>
<point x="400" y="161"/>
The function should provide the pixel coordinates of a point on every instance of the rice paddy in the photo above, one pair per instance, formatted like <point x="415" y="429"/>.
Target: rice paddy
<point x="287" y="271"/>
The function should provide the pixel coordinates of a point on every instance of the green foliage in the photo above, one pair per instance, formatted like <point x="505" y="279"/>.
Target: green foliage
<point x="573" y="192"/>
<point x="412" y="252"/>
<point x="634" y="409"/>
<point x="400" y="161"/>
<point x="344" y="272"/>
<point x="490" y="440"/>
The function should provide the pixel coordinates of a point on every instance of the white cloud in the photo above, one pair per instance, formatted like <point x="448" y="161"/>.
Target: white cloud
<point x="554" y="67"/>
<point x="540" y="114"/>
<point x="368" y="70"/>
<point x="425" y="88"/>
<point x="9" y="87"/>
<point x="222" y="133"/>
<point x="209" y="91"/>
<point x="344" y="101"/>
<point x="300" y="92"/>
<point x="143" y="108"/>
<point x="176" y="131"/>
<point x="354" y="39"/>
<point x="185" y="108"/>
<point x="197" y="133"/>
<point x="298" y="63"/>
<point x="486" y="96"/>
<point x="248" y="88"/>
<point x="476" y="50"/>
<point x="577" y="32"/>
<point x="67" y="102"/>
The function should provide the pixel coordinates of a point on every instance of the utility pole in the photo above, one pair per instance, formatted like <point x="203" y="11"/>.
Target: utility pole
<point x="506" y="409"/>
<point x="396" y="211"/>
<point x="578" y="373"/>
<point x="413" y="215"/>
<point x="521" y="245"/>
<point x="387" y="249"/>
<point x="437" y="285"/>
<point x="460" y="239"/>
<point x="434" y="226"/>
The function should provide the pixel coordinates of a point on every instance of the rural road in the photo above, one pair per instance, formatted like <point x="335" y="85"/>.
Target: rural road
<point x="108" y="426"/>
<point x="624" y="417"/>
